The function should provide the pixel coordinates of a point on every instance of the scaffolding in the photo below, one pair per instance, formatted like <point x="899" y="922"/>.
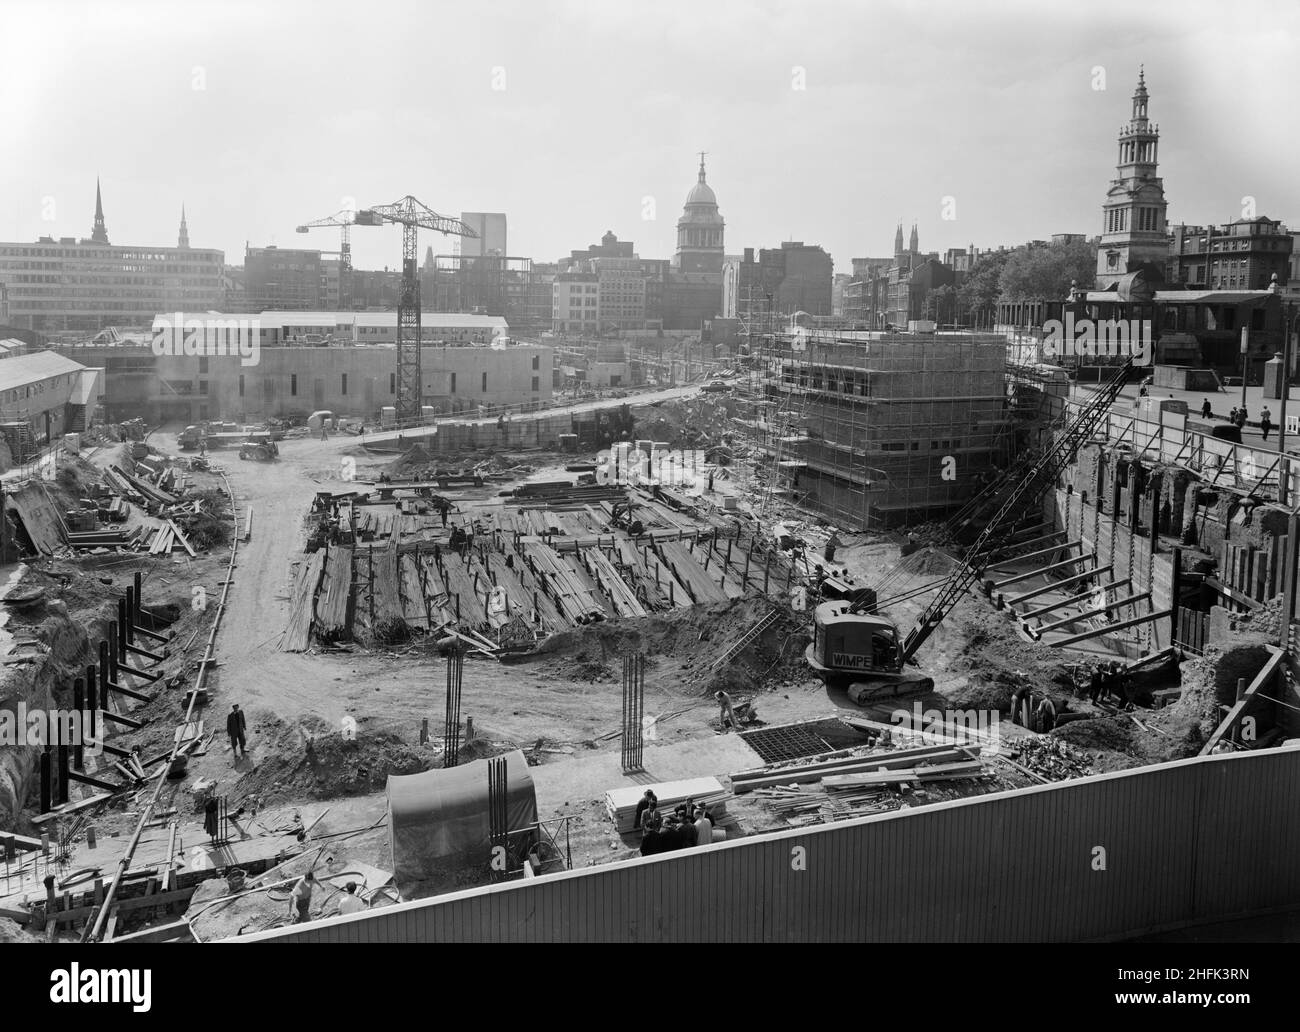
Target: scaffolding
<point x="874" y="430"/>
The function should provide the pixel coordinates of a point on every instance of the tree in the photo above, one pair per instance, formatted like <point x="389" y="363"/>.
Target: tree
<point x="941" y="303"/>
<point x="1044" y="272"/>
<point x="979" y="294"/>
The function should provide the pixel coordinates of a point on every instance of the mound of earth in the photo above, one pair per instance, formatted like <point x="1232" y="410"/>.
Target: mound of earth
<point x="314" y="760"/>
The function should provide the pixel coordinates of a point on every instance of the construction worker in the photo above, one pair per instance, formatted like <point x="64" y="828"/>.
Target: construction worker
<point x="703" y="827"/>
<point x="832" y="543"/>
<point x="236" y="727"/>
<point x="726" y="716"/>
<point x="324" y="430"/>
<point x="1094" y="683"/>
<point x="300" y="898"/>
<point x="1265" y="421"/>
<point x="1206" y="410"/>
<point x="351" y="903"/>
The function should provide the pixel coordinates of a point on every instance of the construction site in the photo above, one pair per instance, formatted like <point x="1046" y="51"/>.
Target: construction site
<point x="857" y="595"/>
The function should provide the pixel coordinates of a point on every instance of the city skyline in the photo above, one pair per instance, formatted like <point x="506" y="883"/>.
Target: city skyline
<point x="1022" y="144"/>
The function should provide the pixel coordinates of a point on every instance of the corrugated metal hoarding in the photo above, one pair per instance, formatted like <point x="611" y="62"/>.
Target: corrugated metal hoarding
<point x="1105" y="857"/>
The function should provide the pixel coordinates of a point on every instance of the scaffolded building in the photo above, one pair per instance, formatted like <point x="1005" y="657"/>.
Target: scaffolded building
<point x="876" y="430"/>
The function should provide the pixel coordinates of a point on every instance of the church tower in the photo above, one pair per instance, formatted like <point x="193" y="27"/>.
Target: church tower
<point x="99" y="235"/>
<point x="1133" y="217"/>
<point x="183" y="241"/>
<point x="700" y="230"/>
<point x="898" y="240"/>
<point x="913" y="244"/>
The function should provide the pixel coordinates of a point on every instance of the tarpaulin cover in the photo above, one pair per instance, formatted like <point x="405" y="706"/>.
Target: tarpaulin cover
<point x="438" y="821"/>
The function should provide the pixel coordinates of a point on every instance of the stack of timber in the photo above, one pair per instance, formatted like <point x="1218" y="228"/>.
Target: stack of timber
<point x="603" y="572"/>
<point x="803" y="806"/>
<point x="699" y="585"/>
<point x="621" y="803"/>
<point x="298" y="635"/>
<point x="573" y="599"/>
<point x="563" y="495"/>
<point x="897" y="766"/>
<point x="145" y="489"/>
<point x="654" y="582"/>
<point x="335" y="592"/>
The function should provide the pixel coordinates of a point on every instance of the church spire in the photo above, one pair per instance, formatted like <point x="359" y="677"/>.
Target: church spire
<point x="913" y="244"/>
<point x="98" y="235"/>
<point x="898" y="240"/>
<point x="184" y="239"/>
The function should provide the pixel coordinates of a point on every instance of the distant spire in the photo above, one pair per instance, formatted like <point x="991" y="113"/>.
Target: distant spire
<point x="98" y="235"/>
<point x="913" y="244"/>
<point x="184" y="239"/>
<point x="898" y="240"/>
<point x="702" y="153"/>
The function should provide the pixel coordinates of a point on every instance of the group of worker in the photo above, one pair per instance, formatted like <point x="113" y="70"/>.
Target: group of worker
<point x="1108" y="681"/>
<point x="300" y="899"/>
<point x="688" y="825"/>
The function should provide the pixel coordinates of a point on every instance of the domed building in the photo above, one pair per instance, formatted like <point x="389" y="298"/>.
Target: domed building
<point x="700" y="230"/>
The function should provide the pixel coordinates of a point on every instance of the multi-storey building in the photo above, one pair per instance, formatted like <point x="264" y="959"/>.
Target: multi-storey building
<point x="575" y="306"/>
<point x="82" y="286"/>
<point x="491" y="229"/>
<point x="276" y="277"/>
<point x="1243" y="255"/>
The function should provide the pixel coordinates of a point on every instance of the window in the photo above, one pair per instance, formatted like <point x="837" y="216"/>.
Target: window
<point x="203" y="365"/>
<point x="203" y="386"/>
<point x="241" y="385"/>
<point x="536" y="360"/>
<point x="392" y="383"/>
<point x="453" y="383"/>
<point x="293" y="384"/>
<point x="537" y="383"/>
<point x="344" y="388"/>
<point x="484" y="387"/>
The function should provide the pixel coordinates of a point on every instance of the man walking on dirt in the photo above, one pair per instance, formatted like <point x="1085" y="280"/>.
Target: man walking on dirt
<point x="300" y="898"/>
<point x="236" y="729"/>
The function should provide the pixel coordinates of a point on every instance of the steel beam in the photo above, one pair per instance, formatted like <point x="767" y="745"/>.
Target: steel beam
<point x="1037" y="632"/>
<point x="1003" y="600"/>
<point x="1033" y="613"/>
<point x="1160" y="614"/>
<point x="990" y="586"/>
<point x="1034" y="555"/>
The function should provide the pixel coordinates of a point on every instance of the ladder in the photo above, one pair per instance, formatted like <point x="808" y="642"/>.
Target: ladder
<point x="1032" y="486"/>
<point x="746" y="639"/>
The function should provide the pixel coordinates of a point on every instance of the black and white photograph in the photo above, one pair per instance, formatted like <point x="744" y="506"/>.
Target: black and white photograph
<point x="572" y="472"/>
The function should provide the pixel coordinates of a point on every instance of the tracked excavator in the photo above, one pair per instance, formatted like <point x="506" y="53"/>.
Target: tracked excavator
<point x="856" y="647"/>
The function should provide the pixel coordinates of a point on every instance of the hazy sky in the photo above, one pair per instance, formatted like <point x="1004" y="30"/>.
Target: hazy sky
<point x="568" y="116"/>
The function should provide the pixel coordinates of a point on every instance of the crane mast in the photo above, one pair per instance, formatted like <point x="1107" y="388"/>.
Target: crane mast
<point x="412" y="215"/>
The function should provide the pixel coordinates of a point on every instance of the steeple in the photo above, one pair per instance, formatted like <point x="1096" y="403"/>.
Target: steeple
<point x="912" y="244"/>
<point x="1133" y="215"/>
<point x="898" y="240"/>
<point x="184" y="239"/>
<point x="98" y="235"/>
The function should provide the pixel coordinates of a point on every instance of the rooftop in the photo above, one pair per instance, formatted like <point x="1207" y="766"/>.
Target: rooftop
<point x="25" y="369"/>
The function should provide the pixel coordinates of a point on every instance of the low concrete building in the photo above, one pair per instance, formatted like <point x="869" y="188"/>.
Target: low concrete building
<point x="285" y="379"/>
<point x="44" y="396"/>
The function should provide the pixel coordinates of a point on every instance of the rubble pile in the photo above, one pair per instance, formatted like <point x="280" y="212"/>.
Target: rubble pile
<point x="1051" y="758"/>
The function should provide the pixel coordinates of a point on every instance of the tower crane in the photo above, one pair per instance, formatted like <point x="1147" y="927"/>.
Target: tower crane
<point x="863" y="652"/>
<point x="412" y="215"/>
<point x="344" y="220"/>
